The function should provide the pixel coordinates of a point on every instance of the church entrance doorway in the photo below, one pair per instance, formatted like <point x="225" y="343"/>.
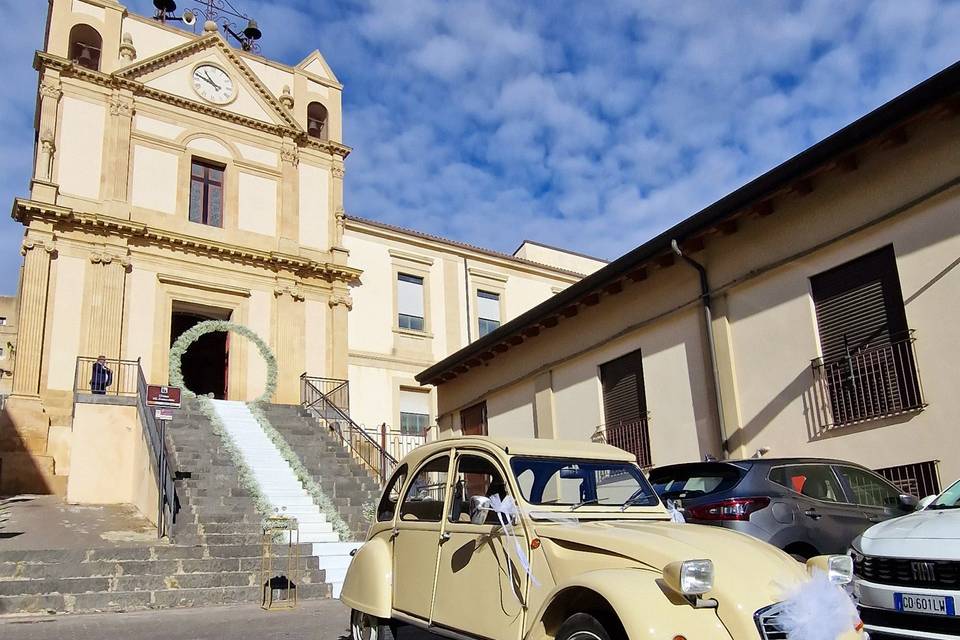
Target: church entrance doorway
<point x="205" y="365"/>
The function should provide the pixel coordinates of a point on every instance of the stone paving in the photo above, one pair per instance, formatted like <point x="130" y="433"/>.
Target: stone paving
<point x="313" y="620"/>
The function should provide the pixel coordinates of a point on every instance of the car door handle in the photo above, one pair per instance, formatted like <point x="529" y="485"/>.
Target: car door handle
<point x="876" y="518"/>
<point x="812" y="513"/>
<point x="444" y="537"/>
<point x="394" y="533"/>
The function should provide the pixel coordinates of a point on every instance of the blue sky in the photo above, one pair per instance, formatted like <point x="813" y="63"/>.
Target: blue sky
<point x="588" y="125"/>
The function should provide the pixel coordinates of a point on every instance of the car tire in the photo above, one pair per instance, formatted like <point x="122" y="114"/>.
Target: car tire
<point x="364" y="626"/>
<point x="582" y="626"/>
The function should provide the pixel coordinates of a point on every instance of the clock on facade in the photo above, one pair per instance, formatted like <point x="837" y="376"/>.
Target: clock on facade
<point x="212" y="83"/>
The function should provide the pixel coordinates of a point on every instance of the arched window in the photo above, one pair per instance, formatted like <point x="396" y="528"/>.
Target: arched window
<point x="317" y="120"/>
<point x="85" y="46"/>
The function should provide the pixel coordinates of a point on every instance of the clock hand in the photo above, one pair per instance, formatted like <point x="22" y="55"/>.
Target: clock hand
<point x="207" y="78"/>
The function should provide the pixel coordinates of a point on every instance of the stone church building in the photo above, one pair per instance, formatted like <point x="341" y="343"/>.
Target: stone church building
<point x="180" y="178"/>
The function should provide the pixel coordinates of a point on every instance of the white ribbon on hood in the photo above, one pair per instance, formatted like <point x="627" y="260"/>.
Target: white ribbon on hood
<point x="506" y="510"/>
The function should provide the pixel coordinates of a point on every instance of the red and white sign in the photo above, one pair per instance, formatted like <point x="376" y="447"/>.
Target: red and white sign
<point x="164" y="414"/>
<point x="163" y="396"/>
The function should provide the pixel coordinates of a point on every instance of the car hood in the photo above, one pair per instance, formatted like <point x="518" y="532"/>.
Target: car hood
<point x="931" y="533"/>
<point x="749" y="574"/>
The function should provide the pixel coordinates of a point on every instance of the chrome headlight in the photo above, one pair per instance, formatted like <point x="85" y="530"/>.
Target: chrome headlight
<point x="839" y="569"/>
<point x="690" y="577"/>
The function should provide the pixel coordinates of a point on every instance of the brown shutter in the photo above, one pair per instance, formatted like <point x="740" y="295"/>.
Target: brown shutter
<point x="625" y="406"/>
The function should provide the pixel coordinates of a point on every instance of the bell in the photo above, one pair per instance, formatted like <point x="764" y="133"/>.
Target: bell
<point x="166" y="6"/>
<point x="85" y="59"/>
<point x="252" y="32"/>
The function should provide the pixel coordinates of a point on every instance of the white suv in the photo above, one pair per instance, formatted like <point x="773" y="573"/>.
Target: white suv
<point x="908" y="573"/>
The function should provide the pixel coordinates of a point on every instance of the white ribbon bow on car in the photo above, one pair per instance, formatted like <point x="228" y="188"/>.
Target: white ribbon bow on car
<point x="506" y="511"/>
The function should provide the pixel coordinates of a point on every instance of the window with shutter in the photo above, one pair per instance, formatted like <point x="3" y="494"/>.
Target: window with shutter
<point x="410" y="302"/>
<point x="625" y="406"/>
<point x="867" y="365"/>
<point x="473" y="420"/>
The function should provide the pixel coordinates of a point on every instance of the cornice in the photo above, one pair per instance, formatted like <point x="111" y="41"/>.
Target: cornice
<point x="293" y="131"/>
<point x="25" y="211"/>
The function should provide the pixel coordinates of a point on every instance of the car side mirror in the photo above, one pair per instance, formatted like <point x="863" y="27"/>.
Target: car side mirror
<point x="908" y="502"/>
<point x="479" y="508"/>
<point x="926" y="502"/>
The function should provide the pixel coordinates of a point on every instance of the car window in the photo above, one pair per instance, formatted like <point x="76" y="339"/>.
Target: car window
<point x="425" y="494"/>
<point x="388" y="502"/>
<point x="815" y="481"/>
<point x="693" y="480"/>
<point x="475" y="476"/>
<point x="949" y="499"/>
<point x="571" y="481"/>
<point x="869" y="490"/>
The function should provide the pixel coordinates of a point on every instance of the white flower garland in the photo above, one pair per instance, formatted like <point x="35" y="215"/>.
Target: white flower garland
<point x="194" y="333"/>
<point x="303" y="475"/>
<point x="247" y="480"/>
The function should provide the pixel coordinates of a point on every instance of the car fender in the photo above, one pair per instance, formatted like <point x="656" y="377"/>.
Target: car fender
<point x="368" y="585"/>
<point x="646" y="607"/>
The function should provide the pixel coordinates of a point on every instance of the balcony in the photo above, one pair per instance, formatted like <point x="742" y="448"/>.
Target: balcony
<point x="629" y="435"/>
<point x="877" y="382"/>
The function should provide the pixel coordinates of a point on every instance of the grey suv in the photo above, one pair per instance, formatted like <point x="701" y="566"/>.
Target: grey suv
<point x="805" y="506"/>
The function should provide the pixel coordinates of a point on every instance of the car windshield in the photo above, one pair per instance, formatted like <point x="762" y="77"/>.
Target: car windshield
<point x="949" y="499"/>
<point x="694" y="480"/>
<point x="575" y="483"/>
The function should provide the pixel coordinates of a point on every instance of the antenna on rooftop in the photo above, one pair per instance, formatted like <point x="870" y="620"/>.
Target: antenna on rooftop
<point x="212" y="11"/>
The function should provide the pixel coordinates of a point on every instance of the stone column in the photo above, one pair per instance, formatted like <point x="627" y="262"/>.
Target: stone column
<point x="290" y="345"/>
<point x="34" y="291"/>
<point x="107" y="287"/>
<point x="337" y="250"/>
<point x="290" y="196"/>
<point x="113" y="180"/>
<point x="340" y="304"/>
<point x="42" y="187"/>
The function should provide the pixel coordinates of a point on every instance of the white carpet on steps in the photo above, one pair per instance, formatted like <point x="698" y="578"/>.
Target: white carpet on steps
<point x="284" y="491"/>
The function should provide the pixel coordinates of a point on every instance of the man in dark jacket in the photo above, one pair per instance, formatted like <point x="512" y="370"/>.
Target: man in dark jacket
<point x="102" y="376"/>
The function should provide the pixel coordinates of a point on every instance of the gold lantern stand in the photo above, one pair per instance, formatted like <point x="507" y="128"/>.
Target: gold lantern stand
<point x="281" y="536"/>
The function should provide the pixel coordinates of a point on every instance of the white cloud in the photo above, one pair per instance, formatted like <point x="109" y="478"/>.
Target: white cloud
<point x="587" y="125"/>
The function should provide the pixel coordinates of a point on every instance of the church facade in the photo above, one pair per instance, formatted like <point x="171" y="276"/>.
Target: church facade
<point x="177" y="179"/>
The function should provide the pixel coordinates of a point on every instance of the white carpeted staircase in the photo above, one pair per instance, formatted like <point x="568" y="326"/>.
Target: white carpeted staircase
<point x="284" y="491"/>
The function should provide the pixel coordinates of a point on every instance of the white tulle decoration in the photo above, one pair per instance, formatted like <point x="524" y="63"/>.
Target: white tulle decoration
<point x="675" y="514"/>
<point x="818" y="610"/>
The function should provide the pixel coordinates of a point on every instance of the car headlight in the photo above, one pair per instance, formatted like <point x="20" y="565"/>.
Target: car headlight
<point x="690" y="577"/>
<point x="839" y="569"/>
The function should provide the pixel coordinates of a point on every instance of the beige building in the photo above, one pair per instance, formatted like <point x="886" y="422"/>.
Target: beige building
<point x="8" y="342"/>
<point x="824" y="324"/>
<point x="177" y="179"/>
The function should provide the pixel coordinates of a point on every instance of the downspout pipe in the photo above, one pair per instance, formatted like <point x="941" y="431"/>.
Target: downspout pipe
<point x="711" y="343"/>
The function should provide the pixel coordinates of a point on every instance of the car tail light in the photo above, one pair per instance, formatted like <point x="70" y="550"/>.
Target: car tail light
<point x="730" y="509"/>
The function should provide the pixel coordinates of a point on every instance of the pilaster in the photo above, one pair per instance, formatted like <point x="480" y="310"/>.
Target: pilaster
<point x="290" y="343"/>
<point x="107" y="280"/>
<point x="37" y="253"/>
<point x="43" y="188"/>
<point x="340" y="304"/>
<point x="290" y="196"/>
<point x="116" y="161"/>
<point x="338" y="253"/>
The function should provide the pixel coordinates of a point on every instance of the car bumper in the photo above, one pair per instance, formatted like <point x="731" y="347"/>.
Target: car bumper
<point x="882" y="620"/>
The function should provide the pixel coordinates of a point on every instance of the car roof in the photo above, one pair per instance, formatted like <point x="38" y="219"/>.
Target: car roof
<point x="760" y="461"/>
<point x="546" y="447"/>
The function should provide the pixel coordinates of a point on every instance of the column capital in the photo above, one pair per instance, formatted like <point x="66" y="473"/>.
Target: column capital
<point x="338" y="299"/>
<point x="121" y="105"/>
<point x="293" y="290"/>
<point x="337" y="171"/>
<point x="50" y="87"/>
<point x="29" y="244"/>
<point x="105" y="258"/>
<point x="290" y="153"/>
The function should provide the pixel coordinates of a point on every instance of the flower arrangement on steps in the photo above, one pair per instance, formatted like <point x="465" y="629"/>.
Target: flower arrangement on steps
<point x="247" y="479"/>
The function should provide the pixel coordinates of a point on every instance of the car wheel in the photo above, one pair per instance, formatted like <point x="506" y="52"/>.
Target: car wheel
<point x="582" y="626"/>
<point x="364" y="626"/>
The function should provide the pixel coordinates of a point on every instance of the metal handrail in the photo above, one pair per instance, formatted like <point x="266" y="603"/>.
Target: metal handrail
<point x="364" y="448"/>
<point x="128" y="381"/>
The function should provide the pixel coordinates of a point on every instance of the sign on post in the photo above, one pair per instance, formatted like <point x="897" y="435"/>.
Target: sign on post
<point x="164" y="414"/>
<point x="163" y="396"/>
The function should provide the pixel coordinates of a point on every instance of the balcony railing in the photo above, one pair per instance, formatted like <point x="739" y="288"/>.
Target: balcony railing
<point x="111" y="377"/>
<point x="629" y="435"/>
<point x="877" y="382"/>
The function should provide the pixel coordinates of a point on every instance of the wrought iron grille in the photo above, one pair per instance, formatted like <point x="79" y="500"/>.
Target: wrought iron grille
<point x="920" y="479"/>
<point x="868" y="384"/>
<point x="632" y="436"/>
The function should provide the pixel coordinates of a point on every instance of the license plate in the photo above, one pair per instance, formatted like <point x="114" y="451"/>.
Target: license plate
<point x="932" y="605"/>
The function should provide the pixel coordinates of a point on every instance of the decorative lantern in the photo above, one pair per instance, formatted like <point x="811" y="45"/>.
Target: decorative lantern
<point x="280" y="562"/>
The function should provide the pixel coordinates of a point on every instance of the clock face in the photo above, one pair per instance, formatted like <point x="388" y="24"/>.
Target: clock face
<point x="213" y="84"/>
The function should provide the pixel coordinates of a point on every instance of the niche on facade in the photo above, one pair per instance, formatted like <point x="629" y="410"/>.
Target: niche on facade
<point x="85" y="46"/>
<point x="317" y="120"/>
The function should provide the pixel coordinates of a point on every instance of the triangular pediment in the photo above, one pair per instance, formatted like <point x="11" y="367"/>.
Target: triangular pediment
<point x="317" y="65"/>
<point x="171" y="72"/>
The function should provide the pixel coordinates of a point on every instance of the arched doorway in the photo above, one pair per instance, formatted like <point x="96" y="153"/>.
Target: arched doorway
<point x="205" y="365"/>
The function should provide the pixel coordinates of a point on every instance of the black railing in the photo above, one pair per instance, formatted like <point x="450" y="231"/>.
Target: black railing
<point x="920" y="479"/>
<point x="630" y="435"/>
<point x="334" y="390"/>
<point x="110" y="377"/>
<point x="126" y="379"/>
<point x="876" y="382"/>
<point x="327" y="408"/>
